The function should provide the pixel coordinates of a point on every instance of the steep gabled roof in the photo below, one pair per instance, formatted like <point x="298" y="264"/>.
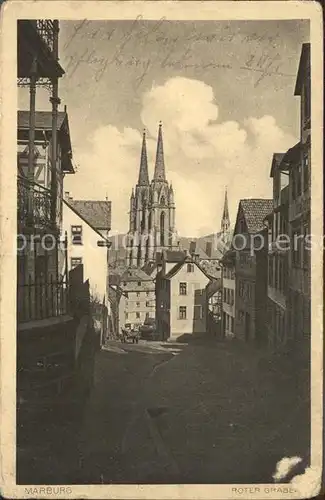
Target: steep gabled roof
<point x="96" y="213"/>
<point x="43" y="122"/>
<point x="291" y="157"/>
<point x="276" y="161"/>
<point x="187" y="260"/>
<point x="43" y="119"/>
<point x="255" y="210"/>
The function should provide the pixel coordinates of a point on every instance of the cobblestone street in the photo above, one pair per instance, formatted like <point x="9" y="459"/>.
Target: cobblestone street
<point x="205" y="413"/>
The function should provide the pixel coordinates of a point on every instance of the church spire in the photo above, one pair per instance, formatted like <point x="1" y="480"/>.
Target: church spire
<point x="159" y="174"/>
<point x="143" y="172"/>
<point x="225" y="222"/>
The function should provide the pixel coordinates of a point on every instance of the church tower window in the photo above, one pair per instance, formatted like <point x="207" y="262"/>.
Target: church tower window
<point x="162" y="228"/>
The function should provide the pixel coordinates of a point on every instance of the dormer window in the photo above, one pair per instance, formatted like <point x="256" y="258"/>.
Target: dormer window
<point x="76" y="235"/>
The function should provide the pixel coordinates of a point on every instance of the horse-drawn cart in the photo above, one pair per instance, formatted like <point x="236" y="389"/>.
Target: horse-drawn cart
<point x="130" y="333"/>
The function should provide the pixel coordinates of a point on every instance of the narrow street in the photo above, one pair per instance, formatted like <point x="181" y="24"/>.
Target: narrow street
<point x="205" y="413"/>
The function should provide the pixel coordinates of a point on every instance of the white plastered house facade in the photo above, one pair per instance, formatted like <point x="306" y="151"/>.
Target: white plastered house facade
<point x="88" y="245"/>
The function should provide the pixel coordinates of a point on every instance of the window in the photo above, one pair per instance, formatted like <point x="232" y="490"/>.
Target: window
<point x="138" y="294"/>
<point x="137" y="315"/>
<point x="162" y="229"/>
<point x="182" y="312"/>
<point x="126" y="316"/>
<point x="190" y="268"/>
<point x="147" y="304"/>
<point x="75" y="261"/>
<point x="76" y="235"/>
<point x="183" y="288"/>
<point x="138" y="304"/>
<point x="232" y="327"/>
<point x="139" y="283"/>
<point x="147" y="294"/>
<point x="225" y="294"/>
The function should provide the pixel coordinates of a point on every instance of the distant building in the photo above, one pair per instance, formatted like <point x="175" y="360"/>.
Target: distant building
<point x="228" y="291"/>
<point x="181" y="297"/>
<point x="152" y="211"/>
<point x="137" y="297"/>
<point x="277" y="222"/>
<point x="250" y="243"/>
<point x="87" y="225"/>
<point x="225" y="234"/>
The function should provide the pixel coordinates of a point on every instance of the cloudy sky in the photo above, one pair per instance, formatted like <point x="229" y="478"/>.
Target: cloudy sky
<point x="223" y="90"/>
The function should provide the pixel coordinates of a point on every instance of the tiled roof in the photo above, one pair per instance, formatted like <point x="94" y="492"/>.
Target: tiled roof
<point x="43" y="119"/>
<point x="135" y="274"/>
<point x="255" y="210"/>
<point x="96" y="213"/>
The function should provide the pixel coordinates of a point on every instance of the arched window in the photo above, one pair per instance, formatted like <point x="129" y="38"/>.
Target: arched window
<point x="149" y="222"/>
<point x="162" y="228"/>
<point x="139" y="256"/>
<point x="147" y="249"/>
<point x="162" y="200"/>
<point x="143" y="220"/>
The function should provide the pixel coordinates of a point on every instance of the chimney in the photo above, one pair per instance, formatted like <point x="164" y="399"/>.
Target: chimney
<point x="67" y="196"/>
<point x="208" y="249"/>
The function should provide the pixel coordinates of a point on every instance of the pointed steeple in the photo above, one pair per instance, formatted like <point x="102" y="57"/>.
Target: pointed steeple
<point x="225" y="222"/>
<point x="159" y="174"/>
<point x="143" y="172"/>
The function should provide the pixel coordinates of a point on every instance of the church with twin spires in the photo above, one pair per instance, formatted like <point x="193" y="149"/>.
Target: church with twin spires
<point x="152" y="210"/>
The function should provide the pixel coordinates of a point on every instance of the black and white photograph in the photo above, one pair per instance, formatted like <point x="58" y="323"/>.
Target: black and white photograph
<point x="166" y="245"/>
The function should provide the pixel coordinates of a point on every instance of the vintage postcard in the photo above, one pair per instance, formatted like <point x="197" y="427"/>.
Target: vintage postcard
<point x="161" y="247"/>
